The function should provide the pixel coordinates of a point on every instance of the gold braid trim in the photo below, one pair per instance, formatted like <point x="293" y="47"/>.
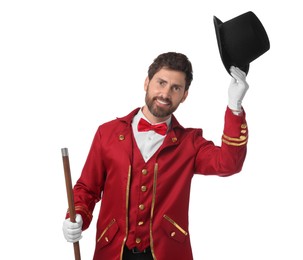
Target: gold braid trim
<point x="240" y="139"/>
<point x="232" y="143"/>
<point x="84" y="210"/>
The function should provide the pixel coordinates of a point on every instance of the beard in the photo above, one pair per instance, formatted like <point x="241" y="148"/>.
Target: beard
<point x="157" y="111"/>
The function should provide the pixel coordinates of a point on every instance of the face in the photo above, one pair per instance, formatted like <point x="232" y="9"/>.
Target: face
<point x="164" y="93"/>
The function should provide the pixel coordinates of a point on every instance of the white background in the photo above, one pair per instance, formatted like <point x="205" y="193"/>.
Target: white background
<point x="68" y="66"/>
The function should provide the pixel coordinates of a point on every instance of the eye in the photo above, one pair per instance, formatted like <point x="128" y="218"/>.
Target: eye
<point x="176" y="88"/>
<point x="162" y="83"/>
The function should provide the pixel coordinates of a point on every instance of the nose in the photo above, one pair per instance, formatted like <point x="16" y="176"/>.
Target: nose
<point x="166" y="92"/>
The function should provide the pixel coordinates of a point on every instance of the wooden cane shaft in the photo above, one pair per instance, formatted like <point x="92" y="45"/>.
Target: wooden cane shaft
<point x="77" y="251"/>
<point x="69" y="189"/>
<point x="70" y="196"/>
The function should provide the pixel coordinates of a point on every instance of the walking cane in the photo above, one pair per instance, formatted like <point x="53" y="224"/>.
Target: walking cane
<point x="70" y="197"/>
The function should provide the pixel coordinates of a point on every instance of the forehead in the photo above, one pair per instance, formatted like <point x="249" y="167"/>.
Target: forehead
<point x="171" y="76"/>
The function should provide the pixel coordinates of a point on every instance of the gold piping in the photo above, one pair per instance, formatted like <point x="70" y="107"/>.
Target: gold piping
<point x="152" y="211"/>
<point x="127" y="208"/>
<point x="241" y="138"/>
<point x="107" y="228"/>
<point x="84" y="210"/>
<point x="176" y="225"/>
<point x="234" y="144"/>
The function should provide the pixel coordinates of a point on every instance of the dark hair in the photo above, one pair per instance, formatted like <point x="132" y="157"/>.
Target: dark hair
<point x="173" y="61"/>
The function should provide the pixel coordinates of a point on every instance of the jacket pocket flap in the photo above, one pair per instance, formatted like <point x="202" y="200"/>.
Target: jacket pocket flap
<point x="173" y="230"/>
<point x="108" y="234"/>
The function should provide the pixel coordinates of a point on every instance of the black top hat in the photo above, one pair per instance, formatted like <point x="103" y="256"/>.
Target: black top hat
<point x="241" y="40"/>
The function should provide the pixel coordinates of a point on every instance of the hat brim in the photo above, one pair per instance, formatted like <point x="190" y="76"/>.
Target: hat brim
<point x="224" y="56"/>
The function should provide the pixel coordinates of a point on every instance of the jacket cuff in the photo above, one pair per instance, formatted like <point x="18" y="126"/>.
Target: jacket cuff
<point x="85" y="214"/>
<point x="235" y="129"/>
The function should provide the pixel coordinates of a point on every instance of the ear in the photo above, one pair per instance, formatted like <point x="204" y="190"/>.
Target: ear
<point x="184" y="96"/>
<point x="146" y="82"/>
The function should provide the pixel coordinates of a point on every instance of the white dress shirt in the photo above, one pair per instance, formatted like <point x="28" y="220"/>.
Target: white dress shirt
<point x="150" y="141"/>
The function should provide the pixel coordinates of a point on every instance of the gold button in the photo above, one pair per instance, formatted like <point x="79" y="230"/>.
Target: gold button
<point x="121" y="137"/>
<point x="140" y="223"/>
<point x="106" y="239"/>
<point x="141" y="206"/>
<point x="143" y="188"/>
<point x="144" y="171"/>
<point x="243" y="131"/>
<point x="174" y="139"/>
<point x="172" y="234"/>
<point x="243" y="126"/>
<point x="138" y="240"/>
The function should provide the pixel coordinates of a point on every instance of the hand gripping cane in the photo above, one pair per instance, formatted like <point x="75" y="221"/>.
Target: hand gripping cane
<point x="70" y="197"/>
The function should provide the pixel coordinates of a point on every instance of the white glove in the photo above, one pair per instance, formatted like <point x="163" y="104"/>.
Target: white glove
<point x="72" y="231"/>
<point x="237" y="89"/>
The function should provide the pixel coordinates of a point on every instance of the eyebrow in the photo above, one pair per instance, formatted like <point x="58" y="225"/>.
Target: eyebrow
<point x="178" y="85"/>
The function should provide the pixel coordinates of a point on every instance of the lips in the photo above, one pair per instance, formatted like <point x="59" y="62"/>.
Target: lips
<point x="163" y="102"/>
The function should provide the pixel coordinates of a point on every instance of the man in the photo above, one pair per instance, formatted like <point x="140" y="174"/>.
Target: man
<point x="142" y="165"/>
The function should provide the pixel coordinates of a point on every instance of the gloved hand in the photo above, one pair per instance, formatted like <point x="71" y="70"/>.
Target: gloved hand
<point x="72" y="231"/>
<point x="237" y="89"/>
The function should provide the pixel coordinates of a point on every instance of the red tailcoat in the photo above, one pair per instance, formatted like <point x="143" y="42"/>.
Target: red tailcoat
<point x="107" y="173"/>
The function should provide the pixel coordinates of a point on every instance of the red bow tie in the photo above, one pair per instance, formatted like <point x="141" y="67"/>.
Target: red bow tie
<point x="144" y="126"/>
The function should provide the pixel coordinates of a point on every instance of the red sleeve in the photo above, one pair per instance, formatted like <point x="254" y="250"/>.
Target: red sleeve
<point x="88" y="189"/>
<point x="228" y="158"/>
